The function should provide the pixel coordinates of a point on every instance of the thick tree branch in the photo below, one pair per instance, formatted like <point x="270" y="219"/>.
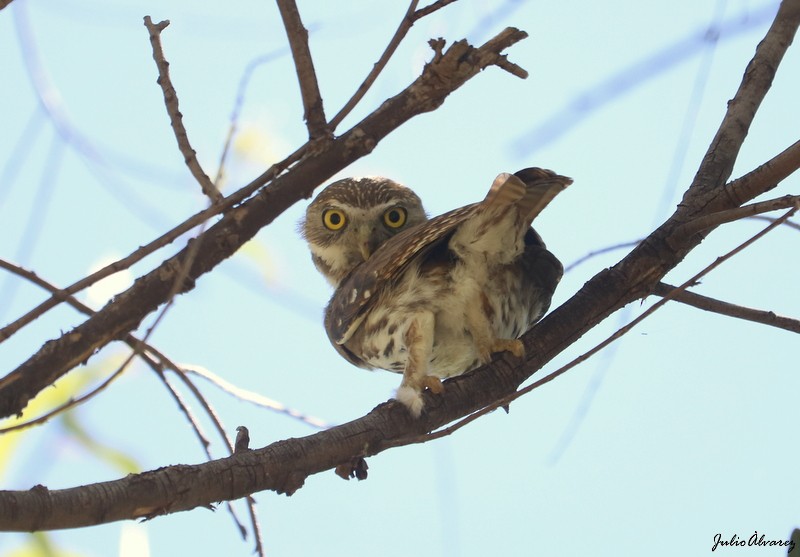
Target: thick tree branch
<point x="731" y="310"/>
<point x="314" y="114"/>
<point x="173" y="110"/>
<point x="460" y="63"/>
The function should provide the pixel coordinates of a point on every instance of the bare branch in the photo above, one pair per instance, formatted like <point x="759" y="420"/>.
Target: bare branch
<point x="309" y="89"/>
<point x="788" y="223"/>
<point x="731" y="310"/>
<point x="766" y="176"/>
<point x="411" y="16"/>
<point x="175" y="116"/>
<point x="405" y="24"/>
<point x="600" y="251"/>
<point x="428" y="10"/>
<point x="722" y="217"/>
<point x="718" y="162"/>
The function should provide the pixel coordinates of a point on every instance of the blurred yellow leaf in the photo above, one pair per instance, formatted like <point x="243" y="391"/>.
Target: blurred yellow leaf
<point x="70" y="386"/>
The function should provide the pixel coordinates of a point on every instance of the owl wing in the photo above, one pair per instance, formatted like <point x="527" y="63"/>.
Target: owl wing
<point x="359" y="290"/>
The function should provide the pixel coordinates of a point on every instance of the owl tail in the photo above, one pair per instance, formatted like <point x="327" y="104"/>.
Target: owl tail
<point x="530" y="189"/>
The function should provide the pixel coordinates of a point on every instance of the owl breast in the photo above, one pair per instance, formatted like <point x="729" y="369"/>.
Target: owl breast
<point x="448" y="291"/>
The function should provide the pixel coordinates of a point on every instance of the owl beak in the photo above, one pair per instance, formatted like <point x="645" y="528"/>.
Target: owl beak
<point x="367" y="243"/>
<point x="365" y="250"/>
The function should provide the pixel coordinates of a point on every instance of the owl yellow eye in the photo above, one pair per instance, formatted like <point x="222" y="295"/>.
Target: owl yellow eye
<point x="395" y="217"/>
<point x="334" y="219"/>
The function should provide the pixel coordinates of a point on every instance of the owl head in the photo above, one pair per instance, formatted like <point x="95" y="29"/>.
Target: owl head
<point x="350" y="218"/>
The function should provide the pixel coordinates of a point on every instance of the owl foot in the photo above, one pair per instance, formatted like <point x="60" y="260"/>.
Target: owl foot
<point x="410" y="394"/>
<point x="433" y="383"/>
<point x="513" y="345"/>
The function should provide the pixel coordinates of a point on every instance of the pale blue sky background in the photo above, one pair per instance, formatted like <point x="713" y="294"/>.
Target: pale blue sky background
<point x="684" y="429"/>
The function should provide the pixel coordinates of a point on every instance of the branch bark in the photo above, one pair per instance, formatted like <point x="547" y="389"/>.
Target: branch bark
<point x="314" y="114"/>
<point x="174" y="112"/>
<point x="731" y="310"/>
<point x="460" y="63"/>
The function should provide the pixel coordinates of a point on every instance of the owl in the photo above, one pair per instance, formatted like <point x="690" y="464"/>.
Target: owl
<point x="432" y="298"/>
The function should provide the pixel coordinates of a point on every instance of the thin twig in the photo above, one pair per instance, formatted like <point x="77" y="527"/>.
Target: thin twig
<point x="788" y="223"/>
<point x="405" y="24"/>
<point x="721" y="217"/>
<point x="173" y="110"/>
<point x="601" y="251"/>
<point x="314" y="113"/>
<point x="731" y="310"/>
<point x="428" y="10"/>
<point x="411" y="16"/>
<point x="255" y="398"/>
<point x="667" y="296"/>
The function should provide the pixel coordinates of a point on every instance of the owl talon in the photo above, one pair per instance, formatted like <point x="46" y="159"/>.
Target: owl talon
<point x="433" y="383"/>
<point x="514" y="346"/>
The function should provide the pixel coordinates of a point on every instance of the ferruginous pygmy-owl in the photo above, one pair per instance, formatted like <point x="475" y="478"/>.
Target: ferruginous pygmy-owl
<point x="432" y="298"/>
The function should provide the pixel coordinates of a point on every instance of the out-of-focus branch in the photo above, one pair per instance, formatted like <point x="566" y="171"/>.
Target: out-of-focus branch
<point x="173" y="110"/>
<point x="314" y="113"/>
<point x="725" y="308"/>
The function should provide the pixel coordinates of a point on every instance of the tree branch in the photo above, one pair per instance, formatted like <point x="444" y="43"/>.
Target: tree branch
<point x="460" y="63"/>
<point x="406" y="23"/>
<point x="731" y="310"/>
<point x="718" y="162"/>
<point x="721" y="217"/>
<point x="173" y="110"/>
<point x="314" y="114"/>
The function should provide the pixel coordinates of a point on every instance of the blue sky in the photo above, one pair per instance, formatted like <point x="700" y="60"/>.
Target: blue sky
<point x="684" y="429"/>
